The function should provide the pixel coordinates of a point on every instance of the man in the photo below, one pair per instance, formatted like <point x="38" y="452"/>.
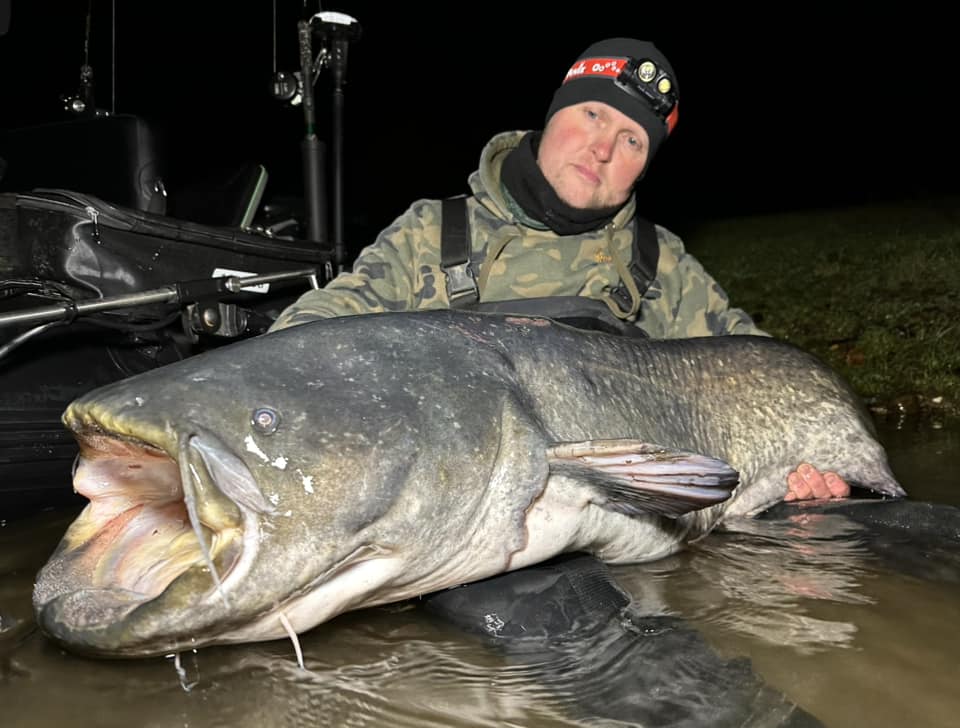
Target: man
<point x="551" y="228"/>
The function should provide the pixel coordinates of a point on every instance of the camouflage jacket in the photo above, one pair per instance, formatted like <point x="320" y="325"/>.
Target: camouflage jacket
<point x="401" y="269"/>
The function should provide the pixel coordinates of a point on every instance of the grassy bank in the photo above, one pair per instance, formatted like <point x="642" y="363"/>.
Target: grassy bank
<point x="873" y="290"/>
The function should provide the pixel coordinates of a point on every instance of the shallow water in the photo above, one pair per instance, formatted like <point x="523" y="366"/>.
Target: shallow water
<point x="824" y="611"/>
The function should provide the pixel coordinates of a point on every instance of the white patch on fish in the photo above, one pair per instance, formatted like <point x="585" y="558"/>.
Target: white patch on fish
<point x="280" y="463"/>
<point x="307" y="481"/>
<point x="255" y="449"/>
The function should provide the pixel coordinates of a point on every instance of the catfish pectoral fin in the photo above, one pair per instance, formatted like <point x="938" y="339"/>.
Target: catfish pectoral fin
<point x="635" y="477"/>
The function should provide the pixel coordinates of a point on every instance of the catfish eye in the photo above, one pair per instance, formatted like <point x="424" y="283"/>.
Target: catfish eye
<point x="265" y="420"/>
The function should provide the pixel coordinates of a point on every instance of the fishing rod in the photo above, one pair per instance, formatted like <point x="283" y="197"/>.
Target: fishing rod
<point x="334" y="32"/>
<point x="82" y="103"/>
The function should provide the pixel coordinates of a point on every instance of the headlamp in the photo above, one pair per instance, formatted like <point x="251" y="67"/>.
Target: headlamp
<point x="641" y="78"/>
<point x="644" y="80"/>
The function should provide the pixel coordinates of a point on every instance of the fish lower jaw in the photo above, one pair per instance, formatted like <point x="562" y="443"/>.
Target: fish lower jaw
<point x="96" y="622"/>
<point x="108" y="619"/>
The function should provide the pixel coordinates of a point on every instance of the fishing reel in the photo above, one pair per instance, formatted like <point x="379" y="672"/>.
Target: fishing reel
<point x="335" y="31"/>
<point x="81" y="103"/>
<point x="287" y="87"/>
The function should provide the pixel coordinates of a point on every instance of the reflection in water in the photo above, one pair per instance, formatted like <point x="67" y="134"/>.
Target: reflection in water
<point x="761" y="578"/>
<point x="819" y="603"/>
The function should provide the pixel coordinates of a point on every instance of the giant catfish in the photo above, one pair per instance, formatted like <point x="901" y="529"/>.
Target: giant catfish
<point x="262" y="488"/>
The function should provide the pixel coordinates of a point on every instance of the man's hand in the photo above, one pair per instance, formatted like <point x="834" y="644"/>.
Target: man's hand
<point x="806" y="483"/>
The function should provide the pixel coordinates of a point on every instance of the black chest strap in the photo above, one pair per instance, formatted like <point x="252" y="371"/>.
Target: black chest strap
<point x="462" y="289"/>
<point x="645" y="256"/>
<point x="455" y="248"/>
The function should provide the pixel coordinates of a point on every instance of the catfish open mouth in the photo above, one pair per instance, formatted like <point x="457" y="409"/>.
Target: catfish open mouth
<point x="150" y="520"/>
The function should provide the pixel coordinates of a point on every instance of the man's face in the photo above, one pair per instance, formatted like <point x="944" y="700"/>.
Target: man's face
<point x="591" y="154"/>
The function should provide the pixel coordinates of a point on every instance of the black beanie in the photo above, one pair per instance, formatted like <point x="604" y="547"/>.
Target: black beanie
<point x="593" y="78"/>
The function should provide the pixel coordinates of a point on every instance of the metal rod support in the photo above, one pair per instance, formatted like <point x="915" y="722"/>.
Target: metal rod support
<point x="167" y="294"/>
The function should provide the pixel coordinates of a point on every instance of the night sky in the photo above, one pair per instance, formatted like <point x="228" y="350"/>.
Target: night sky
<point x="784" y="109"/>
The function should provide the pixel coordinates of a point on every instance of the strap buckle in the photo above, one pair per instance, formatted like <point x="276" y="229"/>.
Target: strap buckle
<point x="461" y="285"/>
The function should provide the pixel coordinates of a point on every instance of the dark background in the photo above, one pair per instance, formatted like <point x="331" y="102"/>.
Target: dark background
<point x="789" y="108"/>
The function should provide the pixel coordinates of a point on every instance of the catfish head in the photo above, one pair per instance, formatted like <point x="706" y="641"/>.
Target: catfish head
<point x="250" y="493"/>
